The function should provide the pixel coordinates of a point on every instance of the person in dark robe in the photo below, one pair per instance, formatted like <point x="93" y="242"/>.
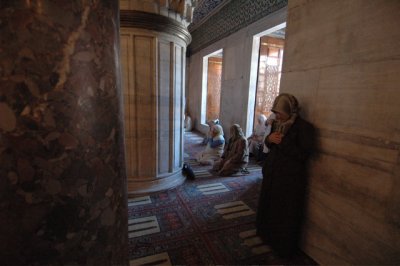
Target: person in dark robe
<point x="281" y="204"/>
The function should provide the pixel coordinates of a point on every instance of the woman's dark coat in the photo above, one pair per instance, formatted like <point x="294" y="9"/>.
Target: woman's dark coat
<point x="281" y="204"/>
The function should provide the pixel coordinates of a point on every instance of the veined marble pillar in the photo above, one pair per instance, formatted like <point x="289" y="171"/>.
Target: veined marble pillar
<point x="62" y="176"/>
<point x="153" y="48"/>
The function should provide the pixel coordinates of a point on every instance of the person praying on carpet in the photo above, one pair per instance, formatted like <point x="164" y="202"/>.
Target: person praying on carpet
<point x="236" y="154"/>
<point x="187" y="122"/>
<point x="210" y="124"/>
<point x="255" y="140"/>
<point x="214" y="148"/>
<point x="281" y="203"/>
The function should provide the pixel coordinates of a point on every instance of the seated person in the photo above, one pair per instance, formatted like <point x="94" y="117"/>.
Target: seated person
<point x="187" y="124"/>
<point x="236" y="153"/>
<point x="214" y="148"/>
<point x="256" y="139"/>
<point x="210" y="124"/>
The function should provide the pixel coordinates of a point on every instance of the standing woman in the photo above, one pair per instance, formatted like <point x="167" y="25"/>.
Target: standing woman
<point x="281" y="204"/>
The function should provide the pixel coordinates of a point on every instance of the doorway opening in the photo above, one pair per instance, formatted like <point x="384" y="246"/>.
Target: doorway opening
<point x="265" y="73"/>
<point x="269" y="72"/>
<point x="211" y="88"/>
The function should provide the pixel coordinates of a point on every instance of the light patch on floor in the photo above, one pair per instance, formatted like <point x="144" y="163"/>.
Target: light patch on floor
<point x="253" y="241"/>
<point x="214" y="188"/>
<point x="193" y="163"/>
<point x="157" y="259"/>
<point x="143" y="226"/>
<point x="202" y="173"/>
<point x="193" y="136"/>
<point x="233" y="209"/>
<point x="253" y="168"/>
<point x="139" y="201"/>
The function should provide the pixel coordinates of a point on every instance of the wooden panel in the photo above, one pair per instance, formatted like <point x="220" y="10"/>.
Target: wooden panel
<point x="269" y="75"/>
<point x="144" y="62"/>
<point x="129" y="104"/>
<point x="183" y="98"/>
<point x="177" y="106"/>
<point x="214" y="73"/>
<point x="163" y="106"/>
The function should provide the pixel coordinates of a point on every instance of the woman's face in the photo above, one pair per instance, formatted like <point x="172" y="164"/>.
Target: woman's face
<point x="282" y="117"/>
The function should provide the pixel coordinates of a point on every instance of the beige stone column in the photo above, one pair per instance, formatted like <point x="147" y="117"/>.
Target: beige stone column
<point x="153" y="47"/>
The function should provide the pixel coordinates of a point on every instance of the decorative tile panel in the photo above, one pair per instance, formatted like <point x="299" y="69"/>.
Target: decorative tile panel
<point x="204" y="8"/>
<point x="231" y="18"/>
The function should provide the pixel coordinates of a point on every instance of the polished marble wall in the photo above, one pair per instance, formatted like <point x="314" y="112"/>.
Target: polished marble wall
<point x="342" y="61"/>
<point x="63" y="182"/>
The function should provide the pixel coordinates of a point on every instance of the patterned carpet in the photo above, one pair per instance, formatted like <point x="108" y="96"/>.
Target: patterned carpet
<point x="207" y="221"/>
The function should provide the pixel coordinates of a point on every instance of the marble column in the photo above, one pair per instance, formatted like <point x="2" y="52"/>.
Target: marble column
<point x="153" y="52"/>
<point x="63" y="181"/>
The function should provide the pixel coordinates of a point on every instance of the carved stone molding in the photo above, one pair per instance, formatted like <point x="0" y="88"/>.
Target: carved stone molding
<point x="179" y="10"/>
<point x="231" y="17"/>
<point x="155" y="22"/>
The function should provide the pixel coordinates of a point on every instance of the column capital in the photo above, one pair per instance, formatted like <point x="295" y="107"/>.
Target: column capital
<point x="154" y="22"/>
<point x="179" y="10"/>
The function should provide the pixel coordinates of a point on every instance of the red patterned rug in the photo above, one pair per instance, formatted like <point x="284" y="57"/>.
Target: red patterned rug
<point x="206" y="221"/>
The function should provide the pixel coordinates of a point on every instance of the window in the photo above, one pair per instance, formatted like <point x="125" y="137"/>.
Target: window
<point x="263" y="58"/>
<point x="269" y="74"/>
<point x="211" y="92"/>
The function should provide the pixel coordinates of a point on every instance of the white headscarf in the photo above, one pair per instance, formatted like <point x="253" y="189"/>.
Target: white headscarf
<point x="260" y="127"/>
<point x="219" y="131"/>
<point x="212" y="123"/>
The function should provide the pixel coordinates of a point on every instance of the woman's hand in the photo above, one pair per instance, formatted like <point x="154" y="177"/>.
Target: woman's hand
<point x="275" y="137"/>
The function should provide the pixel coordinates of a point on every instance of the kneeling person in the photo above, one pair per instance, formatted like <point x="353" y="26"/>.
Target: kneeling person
<point x="214" y="148"/>
<point x="236" y="153"/>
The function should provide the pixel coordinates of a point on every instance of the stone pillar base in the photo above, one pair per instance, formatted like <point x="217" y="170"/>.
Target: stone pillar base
<point x="137" y="187"/>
